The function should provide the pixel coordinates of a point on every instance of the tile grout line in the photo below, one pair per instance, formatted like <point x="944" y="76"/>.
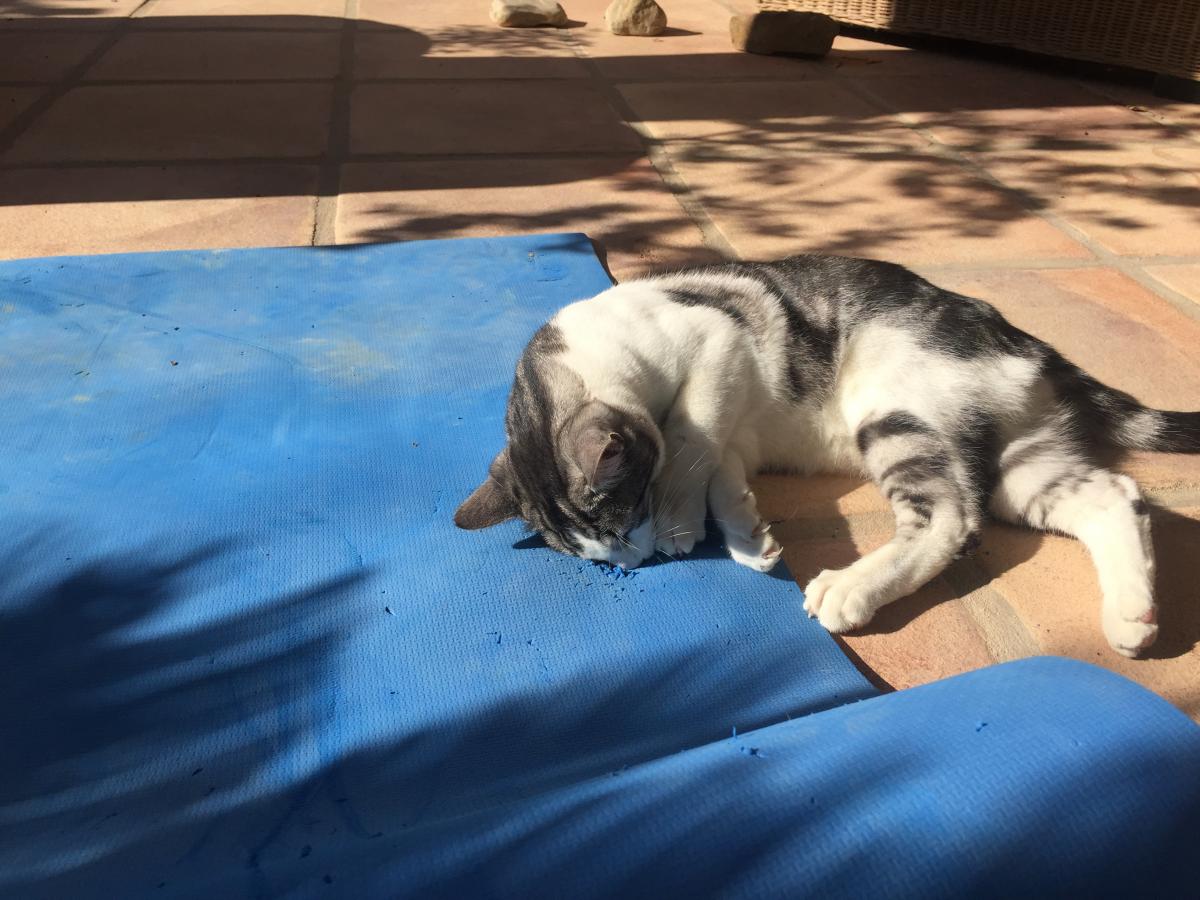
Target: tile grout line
<point x="157" y="26"/>
<point x="1172" y="497"/>
<point x="329" y="178"/>
<point x="404" y="79"/>
<point x="1055" y="263"/>
<point x="995" y="620"/>
<point x="658" y="156"/>
<point x="1028" y="201"/>
<point x="1181" y="302"/>
<point x="73" y="78"/>
<point x="137" y="13"/>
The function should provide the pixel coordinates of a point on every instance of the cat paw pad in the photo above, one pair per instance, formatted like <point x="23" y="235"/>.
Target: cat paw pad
<point x="840" y="599"/>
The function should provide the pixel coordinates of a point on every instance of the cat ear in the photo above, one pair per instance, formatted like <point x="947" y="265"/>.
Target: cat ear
<point x="489" y="505"/>
<point x="600" y="455"/>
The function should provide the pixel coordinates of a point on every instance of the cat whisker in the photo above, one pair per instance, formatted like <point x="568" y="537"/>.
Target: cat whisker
<point x="626" y="542"/>
<point x="674" y="534"/>
<point x="699" y="459"/>
<point x="673" y="486"/>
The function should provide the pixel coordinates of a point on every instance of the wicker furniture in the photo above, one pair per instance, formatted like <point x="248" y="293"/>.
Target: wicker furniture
<point x="1160" y="36"/>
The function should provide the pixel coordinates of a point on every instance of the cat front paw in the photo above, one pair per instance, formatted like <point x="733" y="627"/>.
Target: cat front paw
<point x="760" y="551"/>
<point x="679" y="540"/>
<point x="680" y="526"/>
<point x="842" y="600"/>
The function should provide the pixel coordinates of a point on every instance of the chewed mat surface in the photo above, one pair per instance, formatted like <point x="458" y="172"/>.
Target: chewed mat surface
<point x="240" y="630"/>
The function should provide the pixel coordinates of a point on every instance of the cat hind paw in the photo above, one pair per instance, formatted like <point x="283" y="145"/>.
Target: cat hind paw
<point x="1130" y="637"/>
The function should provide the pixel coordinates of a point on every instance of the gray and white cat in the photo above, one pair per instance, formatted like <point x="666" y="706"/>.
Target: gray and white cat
<point x="634" y="412"/>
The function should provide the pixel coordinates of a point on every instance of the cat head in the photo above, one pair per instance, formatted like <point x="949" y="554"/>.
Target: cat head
<point x="578" y="471"/>
<point x="587" y="490"/>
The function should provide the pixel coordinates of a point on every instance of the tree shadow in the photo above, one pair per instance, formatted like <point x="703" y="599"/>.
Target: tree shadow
<point x="119" y="699"/>
<point x="12" y="11"/>
<point x="156" y="755"/>
<point x="200" y="107"/>
<point x="149" y="745"/>
<point x="1175" y="538"/>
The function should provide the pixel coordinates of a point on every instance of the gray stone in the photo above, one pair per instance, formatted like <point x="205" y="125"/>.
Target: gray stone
<point x="643" y="18"/>
<point x="799" y="33"/>
<point x="527" y="13"/>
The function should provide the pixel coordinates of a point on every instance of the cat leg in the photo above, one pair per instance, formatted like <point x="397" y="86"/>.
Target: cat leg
<point x="679" y="493"/>
<point x="735" y="510"/>
<point x="1057" y="490"/>
<point x="938" y="513"/>
<point x="694" y="436"/>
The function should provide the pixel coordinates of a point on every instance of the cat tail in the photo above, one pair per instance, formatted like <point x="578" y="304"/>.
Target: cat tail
<point x="1114" y="417"/>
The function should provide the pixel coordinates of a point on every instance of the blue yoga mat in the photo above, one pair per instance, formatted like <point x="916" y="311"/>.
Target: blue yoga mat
<point x="245" y="653"/>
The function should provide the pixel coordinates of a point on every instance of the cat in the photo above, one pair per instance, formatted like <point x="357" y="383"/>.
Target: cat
<point x="636" y="412"/>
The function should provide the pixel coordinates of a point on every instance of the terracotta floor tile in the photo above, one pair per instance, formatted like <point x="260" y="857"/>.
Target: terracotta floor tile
<point x="1166" y="478"/>
<point x="1021" y="110"/>
<point x="467" y="52"/>
<point x="14" y="101"/>
<point x="1133" y="200"/>
<point x="1184" y="278"/>
<point x="1119" y="331"/>
<point x="219" y="56"/>
<point x="694" y="58"/>
<point x="62" y="14"/>
<point x="1144" y="102"/>
<point x="1116" y="330"/>
<point x="43" y="56"/>
<point x="917" y="639"/>
<point x="1051" y="583"/>
<point x="790" y="497"/>
<point x="829" y="521"/>
<point x="503" y="117"/>
<point x="902" y="206"/>
<point x="765" y="118"/>
<point x="447" y="14"/>
<point x="208" y="14"/>
<point x="50" y="212"/>
<point x="870" y="60"/>
<point x="922" y="638"/>
<point x="179" y="122"/>
<point x="620" y="203"/>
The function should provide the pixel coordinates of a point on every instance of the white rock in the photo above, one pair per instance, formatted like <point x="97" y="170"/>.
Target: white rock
<point x="527" y="13"/>
<point x="644" y="18"/>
